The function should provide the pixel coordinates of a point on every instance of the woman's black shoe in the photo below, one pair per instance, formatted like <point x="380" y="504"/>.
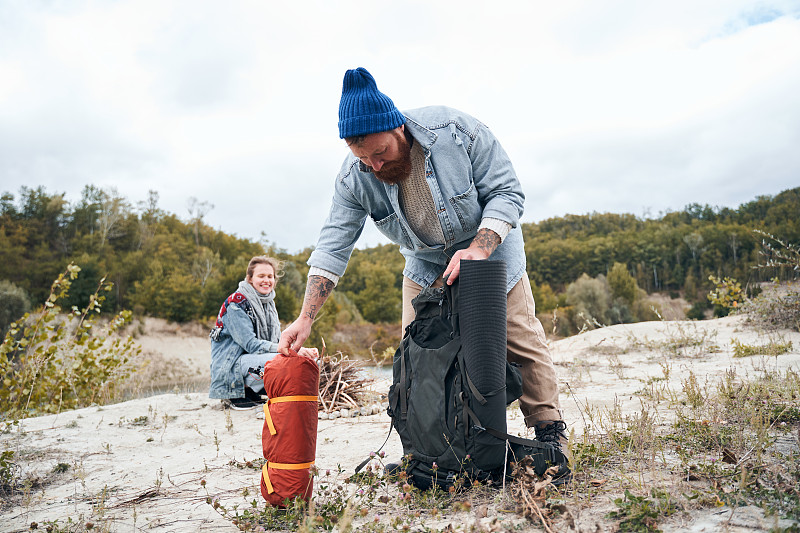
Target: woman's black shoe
<point x="253" y="396"/>
<point x="240" y="404"/>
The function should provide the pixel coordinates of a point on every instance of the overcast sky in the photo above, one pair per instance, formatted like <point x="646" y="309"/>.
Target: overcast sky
<point x="613" y="106"/>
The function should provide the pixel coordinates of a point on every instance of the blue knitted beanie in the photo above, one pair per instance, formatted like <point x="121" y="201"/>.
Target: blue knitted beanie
<point x="363" y="109"/>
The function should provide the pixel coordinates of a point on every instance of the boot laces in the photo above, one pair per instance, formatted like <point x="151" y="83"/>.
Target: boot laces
<point x="551" y="433"/>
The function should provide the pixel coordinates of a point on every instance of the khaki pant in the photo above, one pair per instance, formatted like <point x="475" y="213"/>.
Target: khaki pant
<point x="526" y="347"/>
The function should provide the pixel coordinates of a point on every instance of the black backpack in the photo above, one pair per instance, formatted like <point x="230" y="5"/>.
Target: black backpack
<point x="450" y="390"/>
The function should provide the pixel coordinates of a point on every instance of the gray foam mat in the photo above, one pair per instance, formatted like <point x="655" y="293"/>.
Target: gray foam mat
<point x="482" y="311"/>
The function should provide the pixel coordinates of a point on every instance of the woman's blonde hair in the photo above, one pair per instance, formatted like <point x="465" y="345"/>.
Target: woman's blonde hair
<point x="276" y="265"/>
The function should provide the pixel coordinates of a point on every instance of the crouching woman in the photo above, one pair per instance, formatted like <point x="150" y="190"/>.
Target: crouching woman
<point x="245" y="337"/>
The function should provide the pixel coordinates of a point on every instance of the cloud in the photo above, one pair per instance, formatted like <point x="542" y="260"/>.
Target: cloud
<point x="616" y="106"/>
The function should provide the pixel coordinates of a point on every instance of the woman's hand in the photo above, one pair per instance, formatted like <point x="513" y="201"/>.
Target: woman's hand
<point x="311" y="353"/>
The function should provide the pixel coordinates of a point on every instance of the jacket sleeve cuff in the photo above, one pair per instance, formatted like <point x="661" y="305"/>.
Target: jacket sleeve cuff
<point x="316" y="271"/>
<point x="501" y="227"/>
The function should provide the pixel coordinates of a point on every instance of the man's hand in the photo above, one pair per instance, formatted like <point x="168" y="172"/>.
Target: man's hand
<point x="481" y="247"/>
<point x="295" y="335"/>
<point x="318" y="288"/>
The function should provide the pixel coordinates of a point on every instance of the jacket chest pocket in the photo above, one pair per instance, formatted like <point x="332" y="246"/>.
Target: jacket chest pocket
<point x="467" y="208"/>
<point x="391" y="227"/>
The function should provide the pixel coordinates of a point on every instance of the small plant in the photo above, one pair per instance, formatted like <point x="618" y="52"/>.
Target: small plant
<point x="723" y="446"/>
<point x="741" y="349"/>
<point x="8" y="471"/>
<point x="694" y="393"/>
<point x="60" y="468"/>
<point x="616" y="366"/>
<point x="228" y="421"/>
<point x="587" y="455"/>
<point x="385" y="357"/>
<point x="640" y="514"/>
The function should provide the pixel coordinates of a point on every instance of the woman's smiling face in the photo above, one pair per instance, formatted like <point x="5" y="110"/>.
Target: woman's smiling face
<point x="263" y="278"/>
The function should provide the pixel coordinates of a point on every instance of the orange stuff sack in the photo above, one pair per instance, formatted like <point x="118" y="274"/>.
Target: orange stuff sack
<point x="289" y="436"/>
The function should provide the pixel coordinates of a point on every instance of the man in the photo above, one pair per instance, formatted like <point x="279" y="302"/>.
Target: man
<point x="437" y="183"/>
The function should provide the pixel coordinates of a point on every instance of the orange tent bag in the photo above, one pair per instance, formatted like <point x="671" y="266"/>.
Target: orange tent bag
<point x="289" y="436"/>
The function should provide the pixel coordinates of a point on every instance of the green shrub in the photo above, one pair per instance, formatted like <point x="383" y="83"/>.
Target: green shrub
<point x="590" y="300"/>
<point x="620" y="313"/>
<point x="52" y="361"/>
<point x="698" y="311"/>
<point x="14" y="303"/>
<point x="726" y="296"/>
<point x="544" y="296"/>
<point x="622" y="284"/>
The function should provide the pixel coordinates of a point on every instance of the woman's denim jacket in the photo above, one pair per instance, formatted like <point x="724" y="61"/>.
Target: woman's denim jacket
<point x="470" y="177"/>
<point x="238" y="336"/>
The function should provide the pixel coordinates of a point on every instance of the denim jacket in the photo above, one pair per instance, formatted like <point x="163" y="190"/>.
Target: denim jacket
<point x="238" y="336"/>
<point x="470" y="177"/>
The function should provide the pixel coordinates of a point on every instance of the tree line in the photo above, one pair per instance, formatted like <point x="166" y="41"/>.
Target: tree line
<point x="181" y="269"/>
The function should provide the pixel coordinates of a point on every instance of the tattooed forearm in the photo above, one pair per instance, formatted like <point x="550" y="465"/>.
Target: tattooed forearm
<point x="318" y="289"/>
<point x="486" y="240"/>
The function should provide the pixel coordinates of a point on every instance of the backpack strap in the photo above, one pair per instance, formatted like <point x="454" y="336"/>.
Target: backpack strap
<point x="472" y="388"/>
<point x="450" y="295"/>
<point x="403" y="382"/>
<point x="363" y="463"/>
<point x="546" y="454"/>
<point x="549" y="453"/>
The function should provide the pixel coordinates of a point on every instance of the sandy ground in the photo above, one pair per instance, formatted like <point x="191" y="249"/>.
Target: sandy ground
<point x="138" y="465"/>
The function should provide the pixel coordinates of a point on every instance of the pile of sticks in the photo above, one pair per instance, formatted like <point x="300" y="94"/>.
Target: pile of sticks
<point x="342" y="383"/>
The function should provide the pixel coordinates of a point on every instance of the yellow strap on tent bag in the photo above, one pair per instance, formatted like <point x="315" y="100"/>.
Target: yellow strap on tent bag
<point x="281" y="399"/>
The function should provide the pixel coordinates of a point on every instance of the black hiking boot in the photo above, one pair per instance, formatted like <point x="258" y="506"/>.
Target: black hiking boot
<point x="552" y="433"/>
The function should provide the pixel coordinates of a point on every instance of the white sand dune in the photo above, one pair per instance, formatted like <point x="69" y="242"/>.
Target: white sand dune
<point x="138" y="465"/>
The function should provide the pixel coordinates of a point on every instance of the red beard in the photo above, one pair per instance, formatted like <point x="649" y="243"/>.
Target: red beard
<point x="395" y="172"/>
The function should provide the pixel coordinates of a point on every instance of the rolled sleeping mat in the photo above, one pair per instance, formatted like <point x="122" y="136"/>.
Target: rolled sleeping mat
<point x="482" y="315"/>
<point x="482" y="302"/>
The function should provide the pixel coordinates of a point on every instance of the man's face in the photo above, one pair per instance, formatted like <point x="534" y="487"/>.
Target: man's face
<point x="387" y="154"/>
